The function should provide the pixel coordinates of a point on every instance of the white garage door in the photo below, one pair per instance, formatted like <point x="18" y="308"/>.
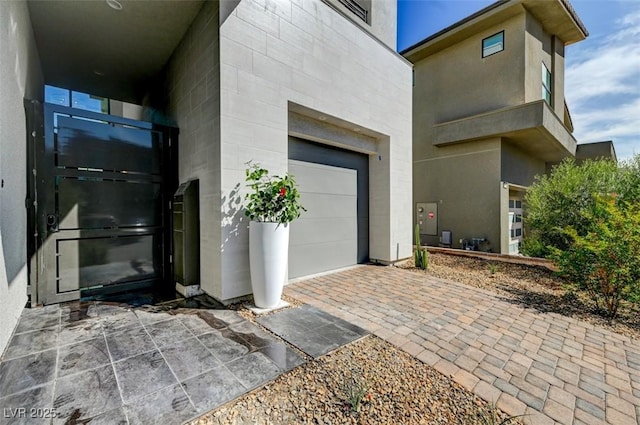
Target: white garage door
<point x="325" y="237"/>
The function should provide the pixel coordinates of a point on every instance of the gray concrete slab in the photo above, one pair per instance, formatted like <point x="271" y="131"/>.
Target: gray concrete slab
<point x="311" y="330"/>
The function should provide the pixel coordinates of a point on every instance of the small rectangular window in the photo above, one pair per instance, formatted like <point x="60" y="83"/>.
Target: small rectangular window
<point x="546" y="84"/>
<point x="512" y="203"/>
<point x="493" y="44"/>
<point x="518" y="232"/>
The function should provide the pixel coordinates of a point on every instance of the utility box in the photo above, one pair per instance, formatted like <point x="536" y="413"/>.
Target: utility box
<point x="186" y="239"/>
<point x="427" y="218"/>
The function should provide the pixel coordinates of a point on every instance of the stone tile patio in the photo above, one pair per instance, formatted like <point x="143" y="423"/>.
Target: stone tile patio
<point x="114" y="364"/>
<point x="554" y="369"/>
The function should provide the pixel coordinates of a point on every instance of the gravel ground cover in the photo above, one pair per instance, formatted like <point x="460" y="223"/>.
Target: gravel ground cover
<point x="397" y="388"/>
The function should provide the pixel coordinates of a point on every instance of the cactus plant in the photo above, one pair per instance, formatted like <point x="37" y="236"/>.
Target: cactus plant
<point x="421" y="256"/>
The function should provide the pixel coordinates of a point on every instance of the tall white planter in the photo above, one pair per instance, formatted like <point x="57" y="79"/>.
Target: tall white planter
<point x="268" y="261"/>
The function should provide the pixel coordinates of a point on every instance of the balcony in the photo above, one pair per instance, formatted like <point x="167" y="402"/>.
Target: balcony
<point x="533" y="127"/>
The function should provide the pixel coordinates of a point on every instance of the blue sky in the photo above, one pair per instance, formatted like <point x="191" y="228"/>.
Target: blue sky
<point x="602" y="81"/>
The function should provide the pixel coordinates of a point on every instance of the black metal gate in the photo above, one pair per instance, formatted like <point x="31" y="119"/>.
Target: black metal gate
<point x="102" y="187"/>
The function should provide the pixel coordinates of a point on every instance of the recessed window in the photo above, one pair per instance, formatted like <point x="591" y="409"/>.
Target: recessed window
<point x="493" y="44"/>
<point x="546" y="84"/>
<point x="360" y="8"/>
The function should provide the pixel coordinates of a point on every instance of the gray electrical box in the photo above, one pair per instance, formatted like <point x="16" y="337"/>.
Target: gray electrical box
<point x="186" y="234"/>
<point x="427" y="218"/>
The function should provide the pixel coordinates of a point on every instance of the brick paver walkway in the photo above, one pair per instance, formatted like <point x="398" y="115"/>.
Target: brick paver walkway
<point x="553" y="368"/>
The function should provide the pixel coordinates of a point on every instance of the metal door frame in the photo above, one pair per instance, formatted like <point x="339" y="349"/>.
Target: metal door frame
<point x="40" y="128"/>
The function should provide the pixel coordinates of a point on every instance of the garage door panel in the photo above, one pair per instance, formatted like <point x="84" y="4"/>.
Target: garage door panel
<point x="317" y="178"/>
<point x="320" y="257"/>
<point x="333" y="229"/>
<point x="321" y="205"/>
<point x="325" y="237"/>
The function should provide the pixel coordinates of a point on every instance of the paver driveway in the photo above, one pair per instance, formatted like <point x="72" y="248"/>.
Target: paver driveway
<point x="553" y="368"/>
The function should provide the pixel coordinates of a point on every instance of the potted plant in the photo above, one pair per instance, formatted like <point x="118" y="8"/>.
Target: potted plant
<point x="272" y="203"/>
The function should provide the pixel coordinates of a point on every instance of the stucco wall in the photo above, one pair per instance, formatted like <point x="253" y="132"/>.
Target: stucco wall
<point x="458" y="82"/>
<point x="542" y="47"/>
<point x="306" y="53"/>
<point x="193" y="102"/>
<point x="519" y="167"/>
<point x="464" y="182"/>
<point x="21" y="78"/>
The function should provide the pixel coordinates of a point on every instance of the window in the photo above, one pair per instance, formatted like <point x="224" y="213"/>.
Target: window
<point x="360" y="8"/>
<point x="493" y="44"/>
<point x="75" y="99"/>
<point x="546" y="84"/>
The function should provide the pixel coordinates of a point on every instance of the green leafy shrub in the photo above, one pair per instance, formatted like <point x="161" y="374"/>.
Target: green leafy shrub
<point x="605" y="260"/>
<point x="565" y="197"/>
<point x="274" y="199"/>
<point x="559" y="200"/>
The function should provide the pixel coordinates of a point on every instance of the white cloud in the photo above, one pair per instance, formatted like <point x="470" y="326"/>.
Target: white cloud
<point x="602" y="87"/>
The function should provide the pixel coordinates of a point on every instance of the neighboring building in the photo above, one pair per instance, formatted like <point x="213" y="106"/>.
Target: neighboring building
<point x="489" y="114"/>
<point x="315" y="88"/>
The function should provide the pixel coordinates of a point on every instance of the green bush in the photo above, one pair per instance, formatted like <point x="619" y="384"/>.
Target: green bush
<point x="559" y="200"/>
<point x="566" y="196"/>
<point x="605" y="260"/>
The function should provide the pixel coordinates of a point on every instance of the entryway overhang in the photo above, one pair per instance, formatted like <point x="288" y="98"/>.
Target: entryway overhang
<point x="113" y="48"/>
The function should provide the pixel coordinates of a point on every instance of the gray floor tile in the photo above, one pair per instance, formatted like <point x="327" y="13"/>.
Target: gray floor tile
<point x="150" y="316"/>
<point x="223" y="348"/>
<point x="86" y="394"/>
<point x="129" y="342"/>
<point x="31" y="342"/>
<point x="112" y="417"/>
<point x="251" y="333"/>
<point x="284" y="357"/>
<point x="35" y="321"/>
<point x="253" y="370"/>
<point x="337" y="334"/>
<point x="143" y="374"/>
<point x="105" y="309"/>
<point x="41" y="310"/>
<point x="301" y="316"/>
<point x="213" y="388"/>
<point x="311" y="330"/>
<point x="75" y="311"/>
<point x="168" y="332"/>
<point x="195" y="324"/>
<point x="81" y="356"/>
<point x="189" y="358"/>
<point x="313" y="344"/>
<point x="113" y="322"/>
<point x="26" y="372"/>
<point x="81" y="330"/>
<point x="17" y="408"/>
<point x="167" y="406"/>
<point x="219" y="319"/>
